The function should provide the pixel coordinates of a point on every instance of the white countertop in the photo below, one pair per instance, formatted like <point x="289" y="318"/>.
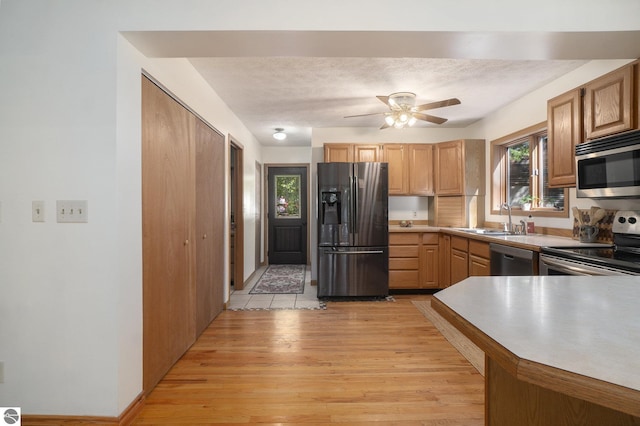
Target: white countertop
<point x="584" y="325"/>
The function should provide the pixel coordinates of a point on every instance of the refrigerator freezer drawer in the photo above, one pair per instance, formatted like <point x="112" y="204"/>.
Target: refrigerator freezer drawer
<point x="353" y="271"/>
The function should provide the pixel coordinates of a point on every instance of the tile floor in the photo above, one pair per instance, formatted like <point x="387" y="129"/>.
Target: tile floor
<point x="241" y="299"/>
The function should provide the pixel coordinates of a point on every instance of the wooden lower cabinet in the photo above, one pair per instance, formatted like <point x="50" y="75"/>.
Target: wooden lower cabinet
<point x="466" y="258"/>
<point x="429" y="268"/>
<point x="425" y="260"/>
<point x="413" y="260"/>
<point x="459" y="259"/>
<point x="479" y="259"/>
<point x="404" y="260"/>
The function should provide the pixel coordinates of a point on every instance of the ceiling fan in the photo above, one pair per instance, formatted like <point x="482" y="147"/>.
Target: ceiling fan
<point x="403" y="110"/>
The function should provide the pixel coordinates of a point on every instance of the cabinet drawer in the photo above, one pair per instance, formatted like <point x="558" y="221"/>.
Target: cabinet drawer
<point x="479" y="248"/>
<point x="403" y="278"/>
<point x="404" y="263"/>
<point x="430" y="238"/>
<point x="400" y="238"/>
<point x="460" y="243"/>
<point x="404" y="251"/>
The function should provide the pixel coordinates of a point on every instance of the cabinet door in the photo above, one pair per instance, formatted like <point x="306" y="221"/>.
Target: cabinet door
<point x="338" y="153"/>
<point x="429" y="270"/>
<point x="608" y="103"/>
<point x="421" y="169"/>
<point x="449" y="168"/>
<point x="479" y="266"/>
<point x="396" y="156"/>
<point x="564" y="123"/>
<point x="367" y="153"/>
<point x="459" y="265"/>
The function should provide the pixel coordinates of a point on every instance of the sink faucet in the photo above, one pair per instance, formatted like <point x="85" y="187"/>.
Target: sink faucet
<point x="523" y="224"/>
<point x="507" y="207"/>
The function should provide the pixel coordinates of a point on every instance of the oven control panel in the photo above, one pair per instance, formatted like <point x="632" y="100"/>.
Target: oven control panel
<point x="626" y="222"/>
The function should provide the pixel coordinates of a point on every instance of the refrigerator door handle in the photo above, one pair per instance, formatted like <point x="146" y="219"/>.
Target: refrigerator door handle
<point x="354" y="203"/>
<point x="354" y="252"/>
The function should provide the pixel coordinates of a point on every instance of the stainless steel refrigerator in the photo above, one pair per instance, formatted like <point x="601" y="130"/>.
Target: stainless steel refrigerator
<point x="353" y="230"/>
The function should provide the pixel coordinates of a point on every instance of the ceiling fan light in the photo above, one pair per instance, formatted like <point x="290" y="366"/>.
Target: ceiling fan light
<point x="412" y="121"/>
<point x="398" y="124"/>
<point x="280" y="134"/>
<point x="404" y="117"/>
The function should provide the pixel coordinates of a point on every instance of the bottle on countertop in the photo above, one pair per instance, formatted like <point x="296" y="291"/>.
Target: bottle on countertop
<point x="531" y="226"/>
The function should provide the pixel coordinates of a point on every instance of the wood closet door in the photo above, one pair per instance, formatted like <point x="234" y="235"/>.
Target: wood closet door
<point x="167" y="197"/>
<point x="209" y="224"/>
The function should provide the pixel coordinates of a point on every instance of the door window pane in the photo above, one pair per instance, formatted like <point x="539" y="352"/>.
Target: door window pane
<point x="287" y="190"/>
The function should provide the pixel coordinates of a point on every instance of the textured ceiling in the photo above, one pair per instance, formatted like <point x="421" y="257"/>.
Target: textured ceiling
<point x="300" y="93"/>
<point x="299" y="80"/>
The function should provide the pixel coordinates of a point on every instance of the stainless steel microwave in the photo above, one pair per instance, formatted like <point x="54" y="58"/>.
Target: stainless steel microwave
<point x="609" y="167"/>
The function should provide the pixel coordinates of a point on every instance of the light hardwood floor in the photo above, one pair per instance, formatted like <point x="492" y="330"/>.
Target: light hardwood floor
<point x="356" y="363"/>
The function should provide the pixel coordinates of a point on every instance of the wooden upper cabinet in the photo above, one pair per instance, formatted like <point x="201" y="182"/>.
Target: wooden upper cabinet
<point x="459" y="167"/>
<point x="609" y="103"/>
<point x="449" y="168"/>
<point x="421" y="169"/>
<point x="367" y="153"/>
<point x="396" y="155"/>
<point x="564" y="124"/>
<point x="348" y="152"/>
<point x="338" y="153"/>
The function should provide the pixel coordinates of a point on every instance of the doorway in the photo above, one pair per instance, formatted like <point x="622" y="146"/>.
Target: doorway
<point x="287" y="214"/>
<point x="236" y="234"/>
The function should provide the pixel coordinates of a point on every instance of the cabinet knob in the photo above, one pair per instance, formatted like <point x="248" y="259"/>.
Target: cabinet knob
<point x="204" y="237"/>
<point x="186" y="242"/>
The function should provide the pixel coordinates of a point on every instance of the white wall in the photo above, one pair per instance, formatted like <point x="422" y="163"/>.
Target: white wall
<point x="71" y="307"/>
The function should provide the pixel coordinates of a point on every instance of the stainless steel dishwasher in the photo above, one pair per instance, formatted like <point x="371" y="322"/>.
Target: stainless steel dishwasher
<point x="507" y="260"/>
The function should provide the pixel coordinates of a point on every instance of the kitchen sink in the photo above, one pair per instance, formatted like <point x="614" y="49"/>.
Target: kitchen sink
<point x="485" y="231"/>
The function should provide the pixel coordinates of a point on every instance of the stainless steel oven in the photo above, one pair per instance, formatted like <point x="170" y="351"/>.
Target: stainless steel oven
<point x="554" y="263"/>
<point x="621" y="258"/>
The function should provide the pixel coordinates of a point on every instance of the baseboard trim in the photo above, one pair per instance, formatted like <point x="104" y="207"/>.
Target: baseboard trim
<point x="125" y="419"/>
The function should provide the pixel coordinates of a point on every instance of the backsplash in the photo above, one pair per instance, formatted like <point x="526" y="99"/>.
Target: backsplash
<point x="605" y="234"/>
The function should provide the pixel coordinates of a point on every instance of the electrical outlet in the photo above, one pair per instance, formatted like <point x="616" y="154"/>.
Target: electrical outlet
<point x="72" y="211"/>
<point x="37" y="211"/>
<point x="415" y="214"/>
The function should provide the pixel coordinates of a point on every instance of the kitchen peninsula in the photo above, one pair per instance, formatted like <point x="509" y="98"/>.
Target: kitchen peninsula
<point x="559" y="349"/>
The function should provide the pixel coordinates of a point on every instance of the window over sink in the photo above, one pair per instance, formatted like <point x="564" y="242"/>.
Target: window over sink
<point x="520" y="175"/>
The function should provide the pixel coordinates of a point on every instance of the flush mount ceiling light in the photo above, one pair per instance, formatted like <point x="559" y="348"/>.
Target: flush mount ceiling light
<point x="280" y="134"/>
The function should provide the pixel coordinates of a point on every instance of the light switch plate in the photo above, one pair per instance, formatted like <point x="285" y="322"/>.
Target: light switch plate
<point x="72" y="211"/>
<point x="37" y="211"/>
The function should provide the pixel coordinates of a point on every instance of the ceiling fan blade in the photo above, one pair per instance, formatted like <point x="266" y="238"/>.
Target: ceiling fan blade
<point x="364" y="115"/>
<point x="439" y="104"/>
<point x="384" y="100"/>
<point x="385" y="126"/>
<point x="429" y="118"/>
